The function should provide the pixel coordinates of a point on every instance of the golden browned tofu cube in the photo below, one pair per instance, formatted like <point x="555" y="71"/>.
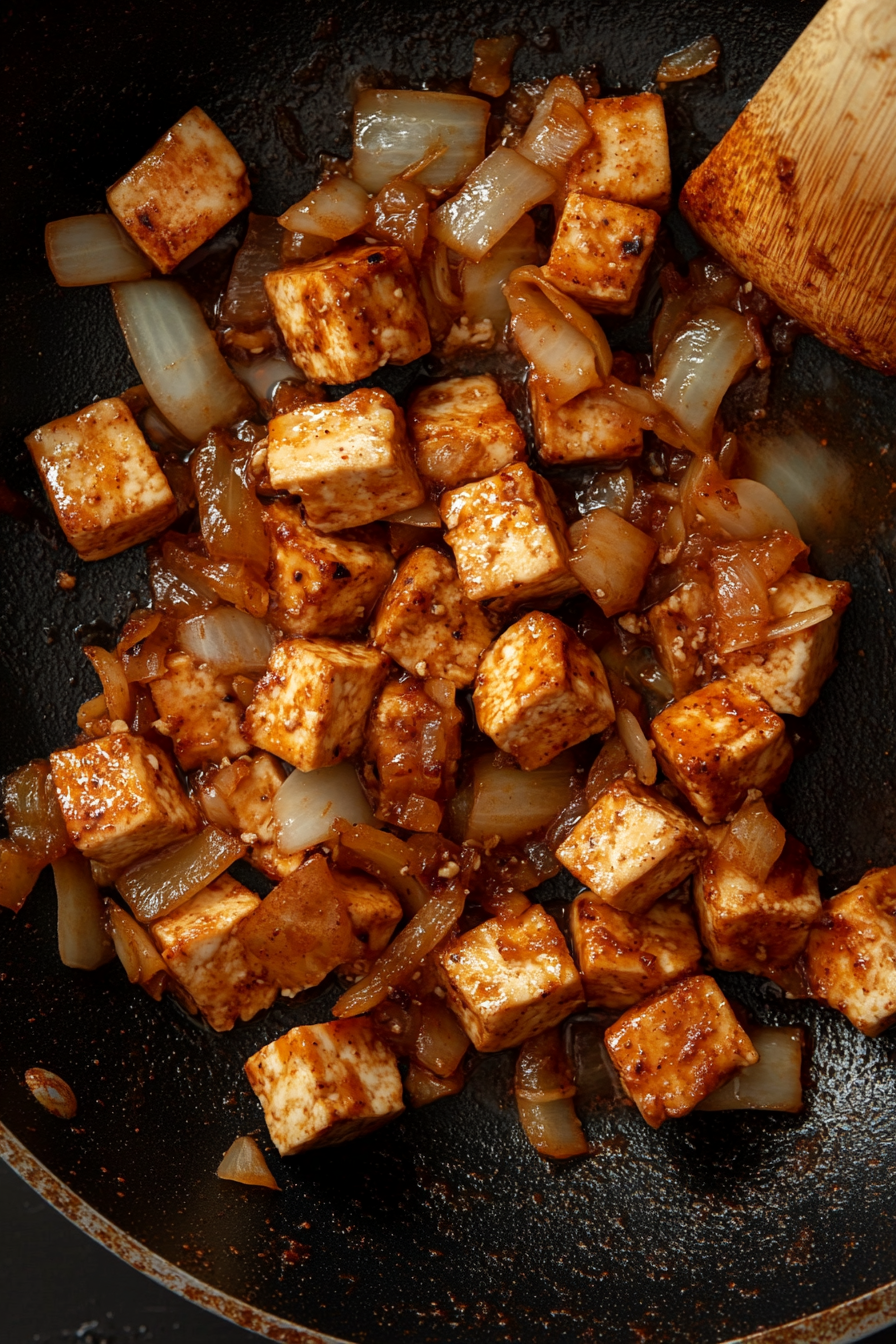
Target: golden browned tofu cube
<point x="461" y="431"/>
<point x="719" y="742"/>
<point x="411" y="752"/>
<point x="200" y="949"/>
<point x="374" y="912"/>
<point x="346" y="314"/>
<point x="198" y="711"/>
<point x="540" y="689"/>
<point x="851" y="953"/>
<point x="677" y="1047"/>
<point x="593" y="427"/>
<point x="310" y="706"/>
<point x="323" y="583"/>
<point x="102" y="478"/>
<point x="789" y="672"/>
<point x="632" y="847"/>
<point x="622" y="958"/>
<point x="325" y="1084"/>
<point x="348" y="459"/>
<point x="679" y="627"/>
<point x="600" y="252"/>
<point x="240" y="796"/>
<point x="427" y="623"/>
<point x="760" y="927"/>
<point x="120" y="799"/>
<point x="509" y="538"/>
<point x="187" y="187"/>
<point x="508" y="979"/>
<point x="301" y="931"/>
<point x="627" y="157"/>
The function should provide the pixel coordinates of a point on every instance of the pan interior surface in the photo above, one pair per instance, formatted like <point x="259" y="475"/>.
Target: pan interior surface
<point x="446" y="1223"/>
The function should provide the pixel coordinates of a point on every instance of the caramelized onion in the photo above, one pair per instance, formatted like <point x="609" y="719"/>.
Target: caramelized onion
<point x="230" y="641"/>
<point x="92" y="250"/>
<point x="610" y="558"/>
<point x="700" y="363"/>
<point x="117" y="689"/>
<point x="740" y="597"/>
<point x="32" y="813"/>
<point x="561" y="134"/>
<point x="245" y="1163"/>
<point x="136" y="951"/>
<point x="774" y="1083"/>
<point x="396" y="128"/>
<point x="512" y="803"/>
<point x="564" y="90"/>
<point x="482" y="282"/>
<point x="385" y="857"/>
<point x="544" y="1088"/>
<point x="800" y="620"/>
<point x="495" y="195"/>
<point x="245" y="301"/>
<point x="84" y="943"/>
<point x="441" y="1041"/>
<point x="753" y="841"/>
<point x="309" y="802"/>
<point x="232" y="580"/>
<point x="399" y="214"/>
<point x="492" y="60"/>
<point x="155" y="886"/>
<point x="562" y="359"/>
<point x="18" y="874"/>
<point x="230" y="516"/>
<point x="424" y="1087"/>
<point x="697" y="58"/>
<point x="747" y="509"/>
<point x="335" y="209"/>
<point x="631" y="735"/>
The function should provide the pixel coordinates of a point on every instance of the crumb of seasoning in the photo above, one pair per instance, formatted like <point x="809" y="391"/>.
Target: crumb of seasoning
<point x="65" y="581"/>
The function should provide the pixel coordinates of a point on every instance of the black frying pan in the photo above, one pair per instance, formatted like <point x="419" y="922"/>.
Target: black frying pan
<point x="446" y="1224"/>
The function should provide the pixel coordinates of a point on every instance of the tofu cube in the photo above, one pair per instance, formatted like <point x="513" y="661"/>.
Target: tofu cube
<point x="187" y="187"/>
<point x="719" y="742"/>
<point x="103" y="479"/>
<point x="677" y="1047"/>
<point x="348" y="459"/>
<point x="427" y="623"/>
<point x="622" y="958"/>
<point x="593" y="427"/>
<point x="760" y="927"/>
<point x="311" y="705"/>
<point x="789" y="673"/>
<point x="679" y="627"/>
<point x="411" y="752"/>
<point x="198" y="945"/>
<point x="509" y="538"/>
<point x="508" y="979"/>
<point x="323" y="583"/>
<point x="374" y="912"/>
<point x="198" y="711"/>
<point x="600" y="252"/>
<point x="540" y="689"/>
<point x="627" y="157"/>
<point x="346" y="314"/>
<point x="851" y="953"/>
<point x="240" y="796"/>
<point x="120" y="799"/>
<point x="461" y="431"/>
<point x="632" y="847"/>
<point x="325" y="1084"/>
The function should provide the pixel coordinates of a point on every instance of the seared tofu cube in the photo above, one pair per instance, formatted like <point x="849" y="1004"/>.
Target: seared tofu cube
<point x="411" y="752"/>
<point x="851" y="953"/>
<point x="102" y="478"/>
<point x="348" y="459"/>
<point x="627" y="157"/>
<point x="199" y="947"/>
<point x="187" y="187"/>
<point x="509" y="538"/>
<point x="310" y="706"/>
<point x="622" y="958"/>
<point x="632" y="847"/>
<point x="677" y="1047"/>
<point x="241" y="796"/>
<point x="300" y="931"/>
<point x="374" y="912"/>
<point x="120" y="799"/>
<point x="427" y="623"/>
<point x="198" y="711"/>
<point x="760" y="927"/>
<point x="508" y="979"/>
<point x="600" y="252"/>
<point x="718" y="743"/>
<point x="679" y="627"/>
<point x="461" y="431"/>
<point x="323" y="583"/>
<point x="789" y="672"/>
<point x="325" y="1084"/>
<point x="593" y="427"/>
<point x="346" y="314"/>
<point x="540" y="689"/>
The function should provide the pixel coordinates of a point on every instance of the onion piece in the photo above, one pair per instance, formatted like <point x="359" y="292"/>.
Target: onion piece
<point x="230" y="516"/>
<point x="561" y="89"/>
<point x="136" y="951"/>
<point x="544" y="1088"/>
<point x="495" y="195"/>
<point x="18" y="874"/>
<point x="773" y="1083"/>
<point x="631" y="735"/>
<point x="399" y="213"/>
<point x="396" y="128"/>
<point x="157" y="885"/>
<point x="561" y="358"/>
<point x="116" y="688"/>
<point x="424" y="1087"/>
<point x="800" y="620"/>
<point x="32" y="813"/>
<point x="610" y="558"/>
<point x="147" y="663"/>
<point x="424" y="515"/>
<point x="753" y="841"/>
<point x="177" y="357"/>
<point x="512" y="803"/>
<point x="245" y="1163"/>
<point x="335" y="209"/>
<point x="92" y="250"/>
<point x="492" y="60"/>
<point x="228" y="640"/>
<point x="302" y="246"/>
<point x="482" y="282"/>
<point x="176" y="590"/>
<point x="385" y="857"/>
<point x="245" y="301"/>
<point x="308" y="803"/>
<point x="441" y="1041"/>
<point x="560" y="134"/>
<point x="574" y="313"/>
<point x="52" y="1092"/>
<point x="234" y="581"/>
<point x="84" y="943"/>
<point x="740" y="599"/>
<point x="745" y="509"/>
<point x="612" y="762"/>
<point x="700" y="363"/>
<point x="697" y="58"/>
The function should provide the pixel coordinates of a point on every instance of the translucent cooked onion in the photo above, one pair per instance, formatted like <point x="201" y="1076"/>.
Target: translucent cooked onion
<point x="698" y="58"/>
<point x="155" y="886"/>
<point x="513" y="803"/>
<point x="303" y="246"/>
<point x="573" y="312"/>
<point x="492" y="60"/>
<point x="18" y="874"/>
<point x="561" y="357"/>
<point x="753" y="841"/>
<point x="700" y="363"/>
<point x="231" y="518"/>
<point x="631" y="735"/>
<point x="92" y="250"/>
<point x="263" y="376"/>
<point x="482" y="282"/>
<point x="774" y="1083"/>
<point x="117" y="690"/>
<point x="385" y="857"/>
<point x="245" y="1163"/>
<point x="424" y="1087"/>
<point x="230" y="641"/>
<point x="84" y="943"/>
<point x="32" y="813"/>
<point x="400" y="214"/>
<point x="495" y="195"/>
<point x="177" y="357"/>
<point x="562" y="89"/>
<point x="740" y="593"/>
<point x="245" y="301"/>
<point x="396" y="128"/>
<point x="441" y="1041"/>
<point x="52" y="1092"/>
<point x="747" y="509"/>
<point x="233" y="581"/>
<point x="544" y="1088"/>
<point x="424" y="515"/>
<point x="335" y="209"/>
<point x="562" y="133"/>
<point x="176" y="590"/>
<point x="136" y="951"/>
<point x="800" y="620"/>
<point x="610" y="558"/>
<point x="308" y="803"/>
<point x="612" y="762"/>
<point x="611" y="490"/>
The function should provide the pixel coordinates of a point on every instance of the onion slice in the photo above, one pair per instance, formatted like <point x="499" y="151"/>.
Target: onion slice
<point x="482" y="282"/>
<point x="32" y="813"/>
<point x="385" y="857"/>
<point x="52" y="1092"/>
<point x="774" y="1083"/>
<point x="245" y="301"/>
<point x="559" y="134"/>
<point x="492" y="60"/>
<point x="745" y="509"/>
<point x="245" y="1163"/>
<point x="441" y="1041"/>
<point x="117" y="690"/>
<point x="495" y="195"/>
<point x="698" y="58"/>
<point x="92" y="250"/>
<point x="573" y="312"/>
<point x="155" y="886"/>
<point x="544" y="1088"/>
<point x="511" y="803"/>
<point x="753" y="841"/>
<point x="136" y="951"/>
<point x="230" y="641"/>
<point x="335" y="209"/>
<point x="700" y="363"/>
<point x="395" y="129"/>
<point x="424" y="1087"/>
<point x="18" y="874"/>
<point x="84" y="943"/>
<point x="631" y="735"/>
<point x="309" y="803"/>
<point x="230" y="516"/>
<point x="611" y="558"/>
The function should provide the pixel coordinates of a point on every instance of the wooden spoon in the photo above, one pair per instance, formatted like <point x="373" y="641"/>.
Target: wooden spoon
<point x="800" y="195"/>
